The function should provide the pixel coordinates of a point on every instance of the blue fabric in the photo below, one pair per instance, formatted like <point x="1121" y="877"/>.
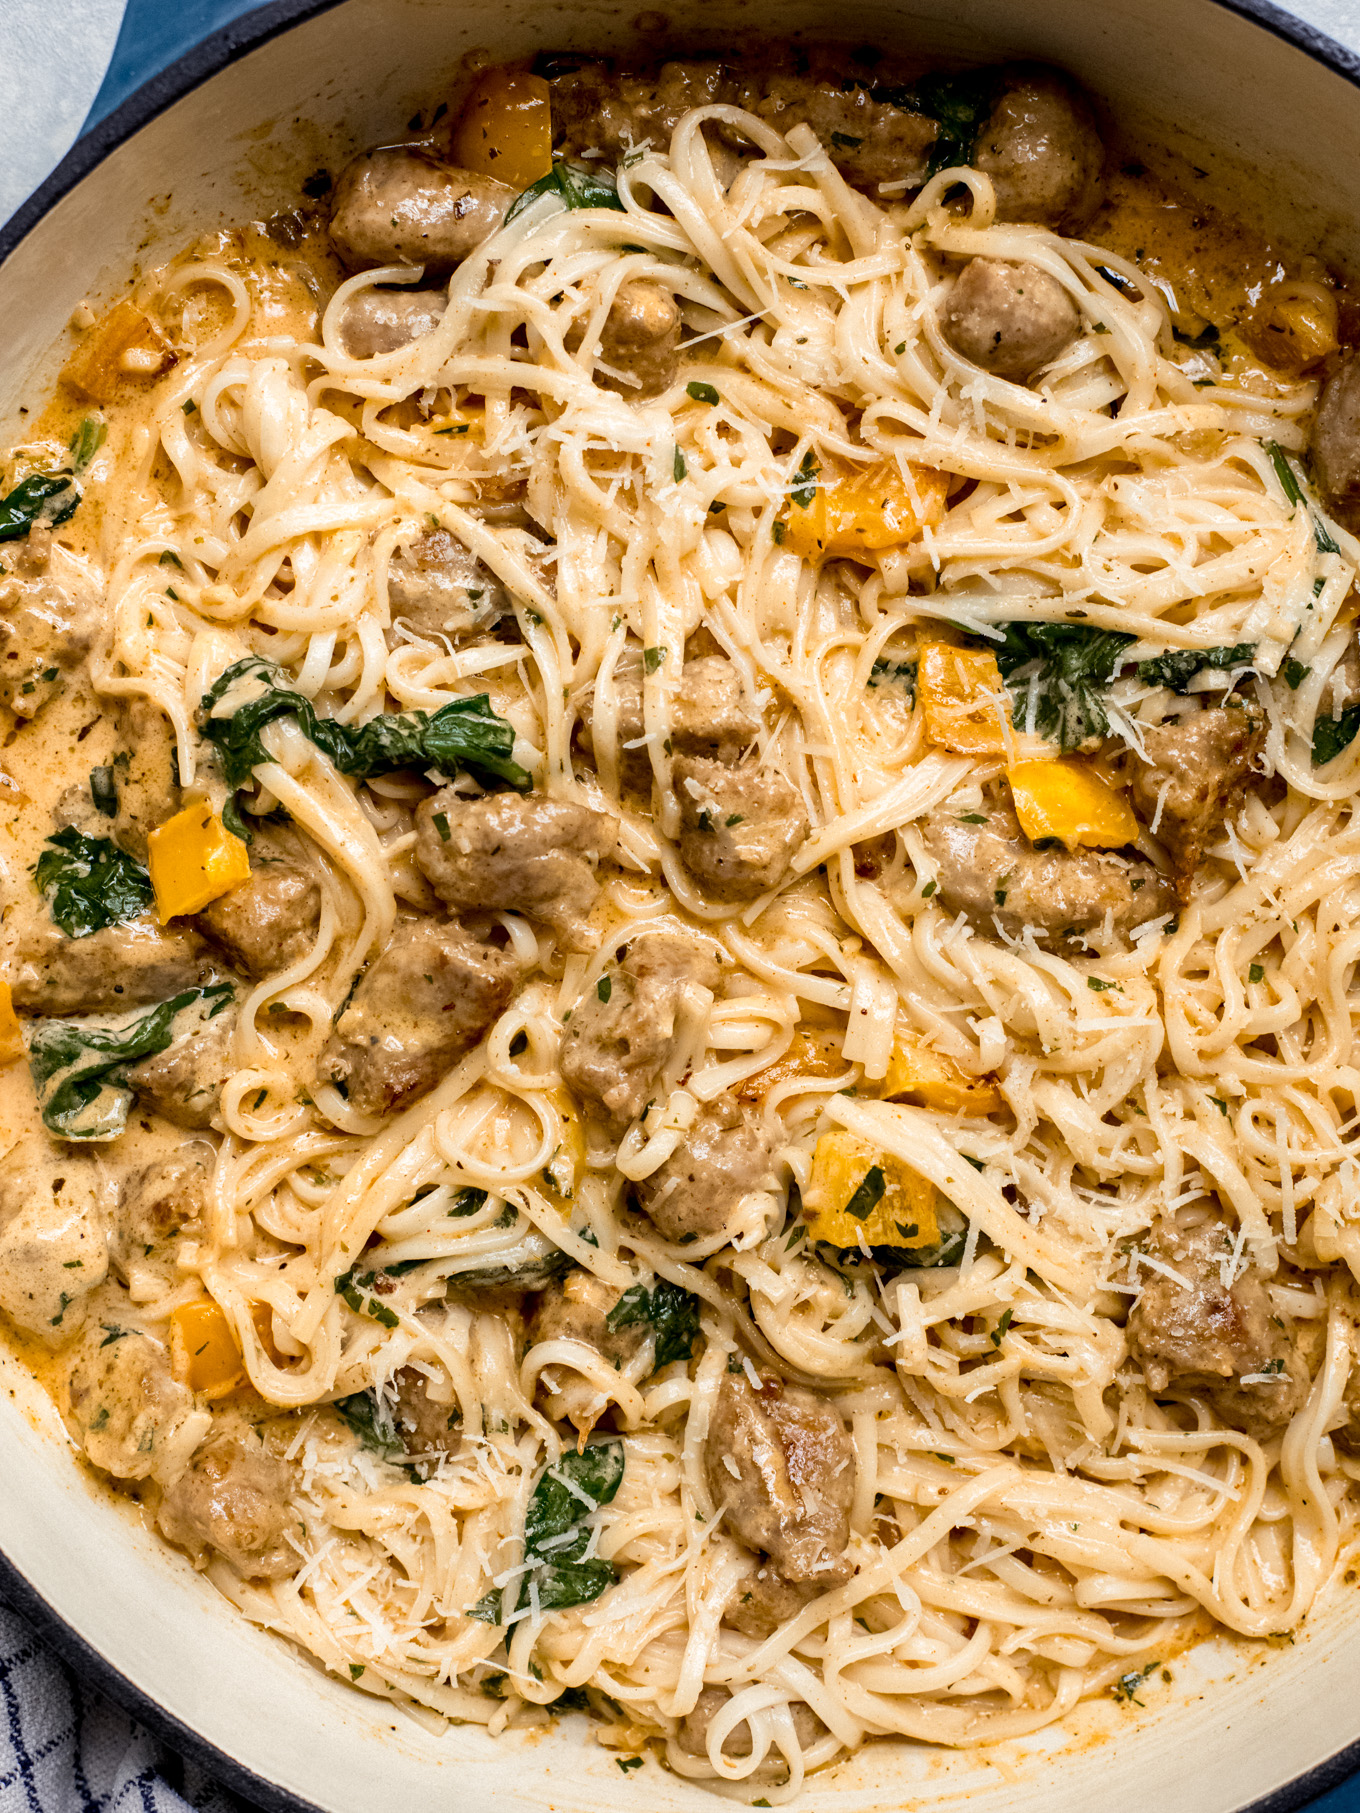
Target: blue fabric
<point x="64" y="1748"/>
<point x="154" y="34"/>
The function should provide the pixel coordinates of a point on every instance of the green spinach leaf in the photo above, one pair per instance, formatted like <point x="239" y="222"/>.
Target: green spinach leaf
<point x="960" y="103"/>
<point x="464" y="734"/>
<point x="80" y="1071"/>
<point x="1065" y="667"/>
<point x="672" y="1313"/>
<point x="1332" y="735"/>
<point x="372" y="1422"/>
<point x="556" y="1534"/>
<point x="42" y="500"/>
<point x="1178" y="666"/>
<point x="90" y="883"/>
<point x="577" y="186"/>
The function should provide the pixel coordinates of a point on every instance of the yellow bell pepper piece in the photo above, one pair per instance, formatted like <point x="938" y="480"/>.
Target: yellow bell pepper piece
<point x="967" y="709"/>
<point x="562" y="1173"/>
<point x="123" y="347"/>
<point x="858" y="1196"/>
<point x="505" y="128"/>
<point x="1069" y="801"/>
<point x="11" y="1032"/>
<point x="854" y="512"/>
<point x="935" y="1080"/>
<point x="815" y="1053"/>
<point x="203" y="1351"/>
<point x="193" y="859"/>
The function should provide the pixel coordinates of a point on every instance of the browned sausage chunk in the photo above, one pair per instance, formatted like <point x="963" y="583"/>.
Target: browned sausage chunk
<point x="693" y="1734"/>
<point x="145" y="773"/>
<point x="781" y="1462"/>
<point x="529" y="854"/>
<point x="1196" y="771"/>
<point x="1042" y="150"/>
<point x="50" y="614"/>
<point x="616" y="1043"/>
<point x="233" y="1498"/>
<point x="577" y="1309"/>
<point x="709" y="717"/>
<point x="184" y="1082"/>
<point x="121" y="966"/>
<point x="439" y="587"/>
<point x="1009" y="318"/>
<point x="430" y="997"/>
<point x="640" y="342"/>
<point x="724" y="1157"/>
<point x="596" y="110"/>
<point x="1206" y="1336"/>
<point x="383" y="321"/>
<point x="158" y="1202"/>
<point x="739" y="827"/>
<point x="870" y="140"/>
<point x="269" y="921"/>
<point x="404" y="207"/>
<point x="427" y="1425"/>
<point x="1335" y="444"/>
<point x="993" y="874"/>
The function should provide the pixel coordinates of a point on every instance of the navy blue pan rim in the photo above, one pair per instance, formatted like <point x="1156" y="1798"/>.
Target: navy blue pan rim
<point x="162" y="91"/>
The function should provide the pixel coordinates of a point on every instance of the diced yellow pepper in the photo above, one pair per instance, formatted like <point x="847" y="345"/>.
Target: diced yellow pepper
<point x="203" y="1351"/>
<point x="193" y="859"/>
<point x="857" y="1194"/>
<point x="967" y="710"/>
<point x="1069" y="801"/>
<point x="11" y="1032"/>
<point x="505" y="128"/>
<point x="812" y="1053"/>
<point x="935" y="1080"/>
<point x="1293" y="332"/>
<point x="859" y="511"/>
<point x="123" y="347"/>
<point x="562" y="1173"/>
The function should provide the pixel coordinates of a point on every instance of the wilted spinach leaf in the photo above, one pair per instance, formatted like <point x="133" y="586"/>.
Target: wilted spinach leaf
<point x="371" y="1421"/>
<point x="43" y="499"/>
<point x="578" y="187"/>
<point x="1067" y="666"/>
<point x="1332" y="735"/>
<point x="671" y="1312"/>
<point x="556" y="1534"/>
<point x="90" y="883"/>
<point x="1178" y="666"/>
<point x="464" y="734"/>
<point x="961" y="103"/>
<point x="80" y="1071"/>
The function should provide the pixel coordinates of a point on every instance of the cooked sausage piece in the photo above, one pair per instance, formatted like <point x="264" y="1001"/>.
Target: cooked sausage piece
<point x="438" y="586"/>
<point x="269" y="921"/>
<point x="53" y="1247"/>
<point x="993" y="874"/>
<point x="145" y="773"/>
<point x="430" y="997"/>
<point x="1009" y="318"/>
<point x="401" y="206"/>
<point x="127" y="1412"/>
<point x="120" y="967"/>
<point x="594" y="109"/>
<point x="692" y="1736"/>
<point x="50" y="614"/>
<point x="233" y="1498"/>
<point x="184" y="1082"/>
<point x="723" y="1157"/>
<point x="617" y="1041"/>
<point x="709" y="717"/>
<point x="1335" y="444"/>
<point x="739" y="827"/>
<point x="1196" y="772"/>
<point x="641" y="340"/>
<point x="870" y="140"/>
<point x="577" y="1309"/>
<point x="383" y="321"/>
<point x="523" y="852"/>
<point x="158" y="1202"/>
<point x="1042" y="150"/>
<point x="1205" y="1336"/>
<point x="781" y="1462"/>
<point x="427" y="1425"/>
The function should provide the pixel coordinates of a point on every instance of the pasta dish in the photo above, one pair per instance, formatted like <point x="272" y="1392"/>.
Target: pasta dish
<point x="681" y="910"/>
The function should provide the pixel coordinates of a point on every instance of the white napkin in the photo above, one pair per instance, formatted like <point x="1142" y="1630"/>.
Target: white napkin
<point x="52" y="60"/>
